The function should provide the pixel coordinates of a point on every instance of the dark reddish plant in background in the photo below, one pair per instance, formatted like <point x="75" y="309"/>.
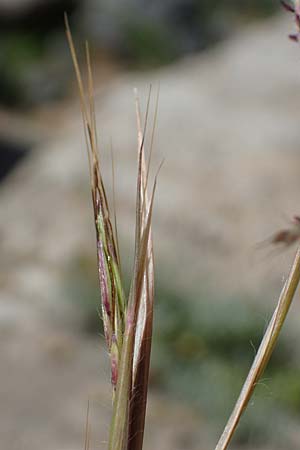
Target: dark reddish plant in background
<point x="294" y="9"/>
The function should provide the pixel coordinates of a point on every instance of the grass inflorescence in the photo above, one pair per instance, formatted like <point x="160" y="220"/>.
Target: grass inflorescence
<point x="128" y="319"/>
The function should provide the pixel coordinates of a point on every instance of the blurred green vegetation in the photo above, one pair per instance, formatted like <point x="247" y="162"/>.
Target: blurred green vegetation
<point x="81" y="289"/>
<point x="141" y="36"/>
<point x="202" y="351"/>
<point x="18" y="51"/>
<point x="253" y="8"/>
<point x="148" y="44"/>
<point x="149" y="40"/>
<point x="31" y="52"/>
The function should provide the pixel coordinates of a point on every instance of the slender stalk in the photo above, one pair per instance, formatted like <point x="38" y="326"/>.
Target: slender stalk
<point x="264" y="352"/>
<point x="119" y="422"/>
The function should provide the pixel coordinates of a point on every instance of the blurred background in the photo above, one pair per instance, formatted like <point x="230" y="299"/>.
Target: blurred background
<point x="228" y="129"/>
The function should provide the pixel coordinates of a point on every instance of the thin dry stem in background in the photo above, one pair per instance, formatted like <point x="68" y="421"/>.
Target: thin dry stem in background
<point x="264" y="352"/>
<point x="286" y="237"/>
<point x="87" y="436"/>
<point x="127" y="321"/>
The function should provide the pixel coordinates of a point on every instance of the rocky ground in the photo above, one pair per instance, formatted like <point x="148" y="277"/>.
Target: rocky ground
<point x="228" y="129"/>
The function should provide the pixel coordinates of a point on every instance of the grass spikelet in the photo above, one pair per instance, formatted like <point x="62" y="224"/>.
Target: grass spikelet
<point x="112" y="294"/>
<point x="127" y="321"/>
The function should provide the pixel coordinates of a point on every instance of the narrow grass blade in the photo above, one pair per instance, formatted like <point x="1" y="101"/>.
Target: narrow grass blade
<point x="130" y="403"/>
<point x="119" y="422"/>
<point x="146" y="303"/>
<point x="144" y="321"/>
<point x="119" y="434"/>
<point x="264" y="352"/>
<point x="87" y="429"/>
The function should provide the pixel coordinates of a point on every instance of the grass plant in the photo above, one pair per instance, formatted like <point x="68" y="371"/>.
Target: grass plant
<point x="128" y="319"/>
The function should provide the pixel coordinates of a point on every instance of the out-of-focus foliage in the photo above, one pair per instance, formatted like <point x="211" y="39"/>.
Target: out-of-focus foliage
<point x="202" y="353"/>
<point x="81" y="288"/>
<point x="156" y="32"/>
<point x="34" y="66"/>
<point x="32" y="51"/>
